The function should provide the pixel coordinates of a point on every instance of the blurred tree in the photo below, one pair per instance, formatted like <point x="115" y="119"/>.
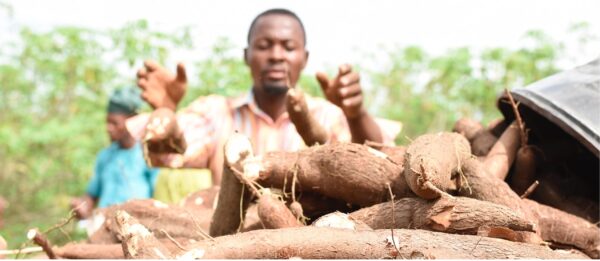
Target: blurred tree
<point x="429" y="94"/>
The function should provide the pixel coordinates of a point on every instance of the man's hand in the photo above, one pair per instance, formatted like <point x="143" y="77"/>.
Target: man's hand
<point x="344" y="91"/>
<point x="159" y="87"/>
<point x="82" y="206"/>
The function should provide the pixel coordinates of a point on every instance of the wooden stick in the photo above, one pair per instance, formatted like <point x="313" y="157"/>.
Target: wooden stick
<point x="41" y="240"/>
<point x="530" y="189"/>
<point x="21" y="251"/>
<point x="520" y="123"/>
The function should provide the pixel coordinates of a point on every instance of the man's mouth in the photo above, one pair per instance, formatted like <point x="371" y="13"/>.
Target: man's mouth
<point x="275" y="74"/>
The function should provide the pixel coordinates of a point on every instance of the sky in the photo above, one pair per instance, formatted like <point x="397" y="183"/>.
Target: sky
<point x="338" y="31"/>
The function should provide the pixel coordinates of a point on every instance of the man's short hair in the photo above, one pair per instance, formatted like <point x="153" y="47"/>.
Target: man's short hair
<point x="278" y="11"/>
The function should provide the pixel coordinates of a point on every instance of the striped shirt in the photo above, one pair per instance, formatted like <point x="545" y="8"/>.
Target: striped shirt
<point x="208" y="121"/>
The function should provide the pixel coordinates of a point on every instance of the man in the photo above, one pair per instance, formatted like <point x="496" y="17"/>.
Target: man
<point x="276" y="56"/>
<point x="121" y="172"/>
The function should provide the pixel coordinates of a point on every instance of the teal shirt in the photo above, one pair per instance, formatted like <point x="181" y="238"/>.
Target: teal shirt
<point x="121" y="175"/>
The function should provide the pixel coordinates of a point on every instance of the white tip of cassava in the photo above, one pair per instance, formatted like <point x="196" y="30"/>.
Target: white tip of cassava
<point x="265" y="192"/>
<point x="198" y="201"/>
<point x="252" y="167"/>
<point x="335" y="220"/>
<point x="129" y="226"/>
<point x="31" y="233"/>
<point x="193" y="254"/>
<point x="377" y="153"/>
<point x="97" y="221"/>
<point x="392" y="241"/>
<point x="159" y="253"/>
<point x="237" y="148"/>
<point x="137" y="229"/>
<point x="159" y="204"/>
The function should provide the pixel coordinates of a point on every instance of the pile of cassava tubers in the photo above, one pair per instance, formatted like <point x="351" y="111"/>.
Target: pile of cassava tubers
<point x="442" y="196"/>
<point x="432" y="199"/>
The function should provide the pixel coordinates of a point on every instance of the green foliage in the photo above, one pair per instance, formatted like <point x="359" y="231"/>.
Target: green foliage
<point x="55" y="86"/>
<point x="429" y="94"/>
<point x="221" y="73"/>
<point x="54" y="95"/>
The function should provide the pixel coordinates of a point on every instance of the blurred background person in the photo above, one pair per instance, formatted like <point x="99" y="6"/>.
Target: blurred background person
<point x="121" y="172"/>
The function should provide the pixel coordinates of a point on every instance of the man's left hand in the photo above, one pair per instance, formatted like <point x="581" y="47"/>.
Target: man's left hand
<point x="344" y="90"/>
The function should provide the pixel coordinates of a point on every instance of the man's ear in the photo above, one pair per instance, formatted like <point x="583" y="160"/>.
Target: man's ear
<point x="246" y="60"/>
<point x="305" y="59"/>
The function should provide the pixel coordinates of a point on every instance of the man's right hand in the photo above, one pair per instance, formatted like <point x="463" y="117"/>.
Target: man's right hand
<point x="160" y="88"/>
<point x="82" y="206"/>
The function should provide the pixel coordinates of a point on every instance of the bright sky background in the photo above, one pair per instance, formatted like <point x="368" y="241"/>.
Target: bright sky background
<point x="335" y="28"/>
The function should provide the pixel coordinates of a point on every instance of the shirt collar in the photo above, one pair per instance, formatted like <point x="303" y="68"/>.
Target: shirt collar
<point x="244" y="99"/>
<point x="248" y="98"/>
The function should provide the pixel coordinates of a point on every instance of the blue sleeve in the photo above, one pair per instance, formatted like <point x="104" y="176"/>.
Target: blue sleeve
<point x="152" y="174"/>
<point x="95" y="186"/>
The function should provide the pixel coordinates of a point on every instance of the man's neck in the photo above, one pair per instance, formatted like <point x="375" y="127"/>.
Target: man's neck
<point x="127" y="143"/>
<point x="273" y="105"/>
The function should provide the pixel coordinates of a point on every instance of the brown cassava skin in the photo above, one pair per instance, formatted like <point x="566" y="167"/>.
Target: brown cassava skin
<point x="483" y="143"/>
<point x="41" y="240"/>
<point x="549" y="193"/>
<point x="275" y="214"/>
<point x="202" y="199"/>
<point x="452" y="215"/>
<point x="252" y="220"/>
<point x="228" y="214"/>
<point x="137" y="241"/>
<point x="552" y="224"/>
<point x="252" y="226"/>
<point x="90" y="251"/>
<point x="525" y="169"/>
<point x="435" y="158"/>
<point x="110" y="251"/>
<point x="467" y="127"/>
<point x="179" y="222"/>
<point x="583" y="207"/>
<point x="339" y="243"/>
<point x="396" y="153"/>
<point x="334" y="243"/>
<point x="497" y="126"/>
<point x="508" y="234"/>
<point x="481" y="139"/>
<point x="307" y="126"/>
<point x="566" y="229"/>
<point x="346" y="171"/>
<point x="503" y="153"/>
<point x="296" y="209"/>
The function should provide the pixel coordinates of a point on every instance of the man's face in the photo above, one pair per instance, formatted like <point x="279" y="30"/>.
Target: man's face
<point x="115" y="125"/>
<point x="276" y="53"/>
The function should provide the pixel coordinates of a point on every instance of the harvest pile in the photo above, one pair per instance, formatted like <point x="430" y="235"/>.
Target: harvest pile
<point x="501" y="191"/>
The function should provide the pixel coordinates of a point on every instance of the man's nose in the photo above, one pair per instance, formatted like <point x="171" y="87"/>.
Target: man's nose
<point x="278" y="53"/>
